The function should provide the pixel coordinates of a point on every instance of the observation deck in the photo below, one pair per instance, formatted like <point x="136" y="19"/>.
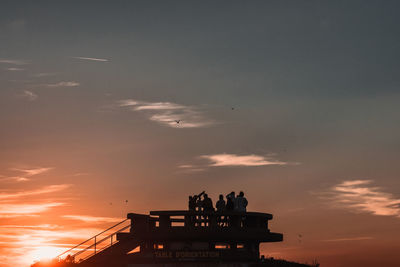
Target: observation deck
<point x="201" y="226"/>
<point x="178" y="237"/>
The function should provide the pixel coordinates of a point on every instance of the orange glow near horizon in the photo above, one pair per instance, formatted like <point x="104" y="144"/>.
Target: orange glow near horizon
<point x="44" y="253"/>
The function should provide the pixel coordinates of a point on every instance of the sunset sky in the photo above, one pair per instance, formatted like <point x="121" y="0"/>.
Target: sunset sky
<point x="294" y="102"/>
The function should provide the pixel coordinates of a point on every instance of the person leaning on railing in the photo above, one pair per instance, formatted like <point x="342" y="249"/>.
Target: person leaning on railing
<point x="195" y="204"/>
<point x="230" y="201"/>
<point x="221" y="207"/>
<point x="241" y="202"/>
<point x="207" y="207"/>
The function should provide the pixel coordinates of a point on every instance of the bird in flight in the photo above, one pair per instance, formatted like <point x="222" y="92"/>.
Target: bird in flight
<point x="177" y="121"/>
<point x="299" y="237"/>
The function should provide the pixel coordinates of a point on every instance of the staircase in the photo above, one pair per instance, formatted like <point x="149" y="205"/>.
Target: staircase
<point x="95" y="244"/>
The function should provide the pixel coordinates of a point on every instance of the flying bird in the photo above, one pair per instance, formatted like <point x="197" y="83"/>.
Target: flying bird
<point x="177" y="121"/>
<point x="299" y="237"/>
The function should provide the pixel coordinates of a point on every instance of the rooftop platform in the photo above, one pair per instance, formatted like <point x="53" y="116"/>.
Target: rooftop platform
<point x="201" y="226"/>
<point x="173" y="236"/>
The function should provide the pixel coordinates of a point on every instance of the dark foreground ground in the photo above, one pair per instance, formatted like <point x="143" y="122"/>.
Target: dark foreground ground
<point x="265" y="263"/>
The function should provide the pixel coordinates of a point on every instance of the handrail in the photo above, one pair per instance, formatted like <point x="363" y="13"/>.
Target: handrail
<point x="103" y="248"/>
<point x="80" y="244"/>
<point x="100" y="241"/>
<point x="202" y="212"/>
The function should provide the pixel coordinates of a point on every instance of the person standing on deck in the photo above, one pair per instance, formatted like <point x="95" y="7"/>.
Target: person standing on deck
<point x="241" y="202"/>
<point x="220" y="204"/>
<point x="192" y="203"/>
<point x="195" y="204"/>
<point x="221" y="207"/>
<point x="207" y="208"/>
<point x="230" y="201"/>
<point x="207" y="204"/>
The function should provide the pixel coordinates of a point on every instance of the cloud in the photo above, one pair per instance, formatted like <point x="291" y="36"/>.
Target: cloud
<point x="81" y="174"/>
<point x="188" y="168"/>
<point x="34" y="171"/>
<point x="27" y="173"/>
<point x="361" y="196"/>
<point x="64" y="84"/>
<point x="31" y="96"/>
<point x="169" y="114"/>
<point x="14" y="61"/>
<point x="218" y="160"/>
<point x="15" y="179"/>
<point x="92" y="59"/>
<point x="38" y="226"/>
<point x="93" y="219"/>
<point x="22" y="209"/>
<point x="349" y="239"/>
<point x="43" y="190"/>
<point x="15" y="69"/>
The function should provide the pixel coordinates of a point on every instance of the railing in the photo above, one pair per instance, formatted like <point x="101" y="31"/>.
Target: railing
<point x="95" y="244"/>
<point x="185" y="218"/>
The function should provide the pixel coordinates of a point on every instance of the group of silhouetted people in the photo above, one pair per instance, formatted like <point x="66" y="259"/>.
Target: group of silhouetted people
<point x="233" y="203"/>
<point x="203" y="203"/>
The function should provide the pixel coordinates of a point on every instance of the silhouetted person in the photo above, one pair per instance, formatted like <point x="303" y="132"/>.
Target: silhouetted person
<point x="230" y="205"/>
<point x="241" y="202"/>
<point x="207" y="204"/>
<point x="198" y="201"/>
<point x="220" y="204"/>
<point x="230" y="201"/>
<point x="207" y="207"/>
<point x="192" y="203"/>
<point x="195" y="204"/>
<point x="221" y="207"/>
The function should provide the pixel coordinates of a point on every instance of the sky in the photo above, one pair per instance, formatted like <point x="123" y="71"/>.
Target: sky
<point x="130" y="106"/>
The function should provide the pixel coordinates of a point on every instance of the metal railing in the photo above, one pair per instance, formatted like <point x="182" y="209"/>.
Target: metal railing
<point x="94" y="245"/>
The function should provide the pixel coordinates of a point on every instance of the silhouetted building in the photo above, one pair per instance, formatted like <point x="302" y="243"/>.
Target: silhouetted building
<point x="173" y="238"/>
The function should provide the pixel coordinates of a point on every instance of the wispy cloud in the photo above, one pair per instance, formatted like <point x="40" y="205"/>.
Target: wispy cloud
<point x="349" y="239"/>
<point x="362" y="196"/>
<point x="169" y="114"/>
<point x="22" y="209"/>
<point x="43" y="74"/>
<point x="15" y="69"/>
<point x="38" y="226"/>
<point x="92" y="59"/>
<point x="81" y="174"/>
<point x="63" y="84"/>
<point x="26" y="173"/>
<point x="31" y="96"/>
<point x="43" y="190"/>
<point x="92" y="219"/>
<point x="14" y="61"/>
<point x="5" y="216"/>
<point x="34" y="171"/>
<point x="218" y="160"/>
<point x="15" y="179"/>
<point x="188" y="168"/>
